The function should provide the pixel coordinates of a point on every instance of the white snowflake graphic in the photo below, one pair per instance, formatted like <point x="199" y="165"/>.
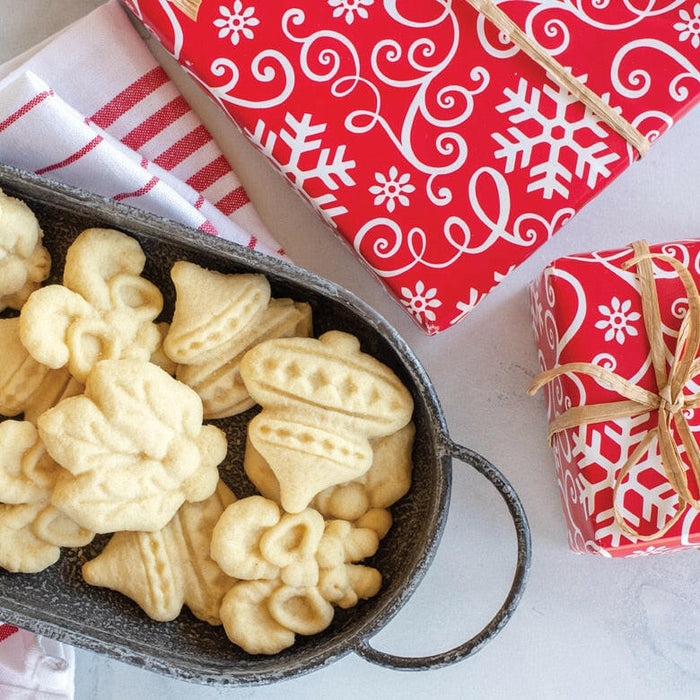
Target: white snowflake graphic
<point x="236" y="22"/>
<point x="421" y="302"/>
<point x="537" y="308"/>
<point x="348" y="8"/>
<point x="466" y="307"/>
<point x="618" y="320"/>
<point x="545" y="139"/>
<point x="618" y="440"/>
<point x="304" y="159"/>
<point x="392" y="189"/>
<point x="689" y="28"/>
<point x="649" y="550"/>
<point x="500" y="276"/>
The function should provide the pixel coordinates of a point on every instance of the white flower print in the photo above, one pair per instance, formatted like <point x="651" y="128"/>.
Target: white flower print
<point x="421" y="302"/>
<point x="689" y="28"/>
<point x="236" y="22"/>
<point x="617" y="320"/>
<point x="349" y="8"/>
<point x="392" y="189"/>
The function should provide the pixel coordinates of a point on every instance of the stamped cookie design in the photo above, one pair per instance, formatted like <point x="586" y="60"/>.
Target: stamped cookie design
<point x="323" y="400"/>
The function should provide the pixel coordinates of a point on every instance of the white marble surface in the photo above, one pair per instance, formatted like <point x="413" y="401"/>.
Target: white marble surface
<point x="586" y="626"/>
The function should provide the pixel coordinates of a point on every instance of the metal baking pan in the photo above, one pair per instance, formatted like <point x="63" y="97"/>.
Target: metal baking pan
<point x="58" y="603"/>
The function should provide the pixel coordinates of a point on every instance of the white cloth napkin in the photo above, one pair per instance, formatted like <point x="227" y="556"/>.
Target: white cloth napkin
<point x="91" y="107"/>
<point x="34" y="667"/>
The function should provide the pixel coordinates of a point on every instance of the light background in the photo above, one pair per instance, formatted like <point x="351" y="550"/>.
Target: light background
<point x="586" y="626"/>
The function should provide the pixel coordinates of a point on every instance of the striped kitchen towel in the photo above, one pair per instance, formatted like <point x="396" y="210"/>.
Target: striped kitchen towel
<point x="92" y="108"/>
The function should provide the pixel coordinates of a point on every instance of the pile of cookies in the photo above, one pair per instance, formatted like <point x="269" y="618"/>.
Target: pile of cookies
<point x="115" y="437"/>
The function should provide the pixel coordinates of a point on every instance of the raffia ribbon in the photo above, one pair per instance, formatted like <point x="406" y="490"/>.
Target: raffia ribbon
<point x="189" y="7"/>
<point x="670" y="401"/>
<point x="590" y="99"/>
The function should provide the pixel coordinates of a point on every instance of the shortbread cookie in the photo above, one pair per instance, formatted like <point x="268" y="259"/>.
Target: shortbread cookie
<point x="20" y="549"/>
<point x="384" y="483"/>
<point x="295" y="568"/>
<point x="212" y="309"/>
<point x="255" y="540"/>
<point x="104" y="309"/>
<point x="134" y="446"/>
<point x="158" y="357"/>
<point x="27" y="520"/>
<point x="58" y="384"/>
<point x="164" y="570"/>
<point x="218" y="382"/>
<point x="27" y="386"/>
<point x="248" y="622"/>
<point x="24" y="262"/>
<point x="323" y="400"/>
<point x="20" y="454"/>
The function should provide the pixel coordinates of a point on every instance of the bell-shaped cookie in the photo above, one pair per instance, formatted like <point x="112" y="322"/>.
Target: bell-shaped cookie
<point x="218" y="381"/>
<point x="211" y="310"/>
<point x="164" y="570"/>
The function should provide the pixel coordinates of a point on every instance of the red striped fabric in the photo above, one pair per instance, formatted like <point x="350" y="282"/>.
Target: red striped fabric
<point x="7" y="631"/>
<point x="175" y="154"/>
<point x="155" y="123"/>
<point x="209" y="174"/>
<point x="130" y="96"/>
<point x="72" y="158"/>
<point x="182" y="149"/>
<point x="137" y="193"/>
<point x="25" y="108"/>
<point x="232" y="201"/>
<point x="208" y="227"/>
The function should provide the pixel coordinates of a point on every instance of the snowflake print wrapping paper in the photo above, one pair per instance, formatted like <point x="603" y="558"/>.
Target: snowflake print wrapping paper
<point x="588" y="309"/>
<point x="439" y="151"/>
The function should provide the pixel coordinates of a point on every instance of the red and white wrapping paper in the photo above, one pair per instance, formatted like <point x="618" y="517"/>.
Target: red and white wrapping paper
<point x="441" y="153"/>
<point x="92" y="108"/>
<point x="586" y="308"/>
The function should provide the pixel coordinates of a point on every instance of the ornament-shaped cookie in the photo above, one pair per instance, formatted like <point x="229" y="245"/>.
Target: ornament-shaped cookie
<point x="384" y="483"/>
<point x="323" y="400"/>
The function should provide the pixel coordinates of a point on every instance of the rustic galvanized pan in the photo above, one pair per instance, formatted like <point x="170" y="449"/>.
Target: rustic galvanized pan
<point x="57" y="603"/>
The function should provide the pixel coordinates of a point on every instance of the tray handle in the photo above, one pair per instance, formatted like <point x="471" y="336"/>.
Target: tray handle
<point x="494" y="626"/>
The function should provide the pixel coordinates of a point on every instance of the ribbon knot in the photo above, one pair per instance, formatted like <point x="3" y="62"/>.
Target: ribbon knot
<point x="670" y="403"/>
<point x="672" y="430"/>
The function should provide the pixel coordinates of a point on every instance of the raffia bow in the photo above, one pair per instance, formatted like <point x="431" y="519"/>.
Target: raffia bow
<point x="670" y="401"/>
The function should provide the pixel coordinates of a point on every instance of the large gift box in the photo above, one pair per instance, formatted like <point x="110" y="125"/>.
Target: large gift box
<point x="618" y="335"/>
<point x="443" y="153"/>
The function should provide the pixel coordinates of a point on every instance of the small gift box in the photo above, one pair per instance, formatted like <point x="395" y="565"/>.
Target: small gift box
<point x="443" y="140"/>
<point x="618" y="335"/>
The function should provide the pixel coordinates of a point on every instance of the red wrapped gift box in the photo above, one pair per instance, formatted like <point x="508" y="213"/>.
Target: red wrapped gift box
<point x="587" y="309"/>
<point x="443" y="154"/>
